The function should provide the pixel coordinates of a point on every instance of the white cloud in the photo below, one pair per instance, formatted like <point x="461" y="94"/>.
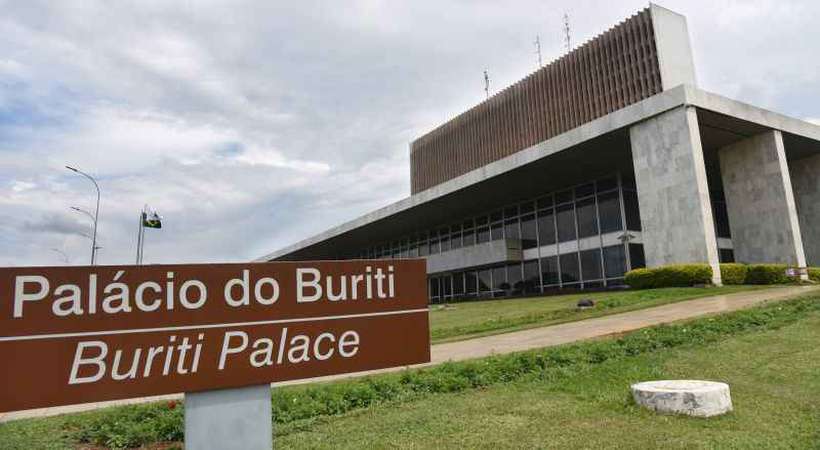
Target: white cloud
<point x="252" y="124"/>
<point x="20" y="186"/>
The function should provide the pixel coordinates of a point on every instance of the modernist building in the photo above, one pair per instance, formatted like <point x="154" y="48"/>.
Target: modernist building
<point x="607" y="159"/>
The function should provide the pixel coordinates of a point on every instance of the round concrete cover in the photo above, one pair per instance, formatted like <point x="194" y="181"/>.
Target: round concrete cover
<point x="690" y="397"/>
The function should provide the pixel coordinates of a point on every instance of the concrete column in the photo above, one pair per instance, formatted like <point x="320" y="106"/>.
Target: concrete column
<point x="673" y="195"/>
<point x="675" y="61"/>
<point x="760" y="202"/>
<point x="805" y="175"/>
<point x="229" y="419"/>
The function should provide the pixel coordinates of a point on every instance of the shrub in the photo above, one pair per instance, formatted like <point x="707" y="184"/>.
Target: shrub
<point x="767" y="274"/>
<point x="733" y="273"/>
<point x="680" y="275"/>
<point x="640" y="278"/>
<point x="814" y="274"/>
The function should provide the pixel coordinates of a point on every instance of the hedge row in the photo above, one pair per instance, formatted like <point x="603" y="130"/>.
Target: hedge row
<point x="683" y="275"/>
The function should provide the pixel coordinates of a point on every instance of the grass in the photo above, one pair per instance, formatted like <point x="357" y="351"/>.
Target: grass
<point x="774" y="377"/>
<point x="458" y="321"/>
<point x="568" y="396"/>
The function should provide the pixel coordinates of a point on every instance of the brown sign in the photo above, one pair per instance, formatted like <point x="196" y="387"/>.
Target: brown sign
<point x="83" y="334"/>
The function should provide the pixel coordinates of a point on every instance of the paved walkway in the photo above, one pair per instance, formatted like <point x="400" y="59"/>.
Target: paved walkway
<point x="524" y="340"/>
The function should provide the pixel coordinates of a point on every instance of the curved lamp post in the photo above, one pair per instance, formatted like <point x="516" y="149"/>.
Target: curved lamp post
<point x="96" y="213"/>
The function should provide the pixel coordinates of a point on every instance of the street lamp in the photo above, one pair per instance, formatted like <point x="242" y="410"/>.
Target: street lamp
<point x="80" y="210"/>
<point x="96" y="213"/>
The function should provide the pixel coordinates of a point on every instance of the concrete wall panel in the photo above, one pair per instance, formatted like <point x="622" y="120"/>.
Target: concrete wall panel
<point x="805" y="174"/>
<point x="673" y="195"/>
<point x="760" y="202"/>
<point x="487" y="253"/>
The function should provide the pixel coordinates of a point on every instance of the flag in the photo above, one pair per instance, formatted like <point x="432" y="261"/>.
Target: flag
<point x="151" y="219"/>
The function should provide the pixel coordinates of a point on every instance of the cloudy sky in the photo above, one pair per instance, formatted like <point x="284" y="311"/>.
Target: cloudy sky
<point x="252" y="124"/>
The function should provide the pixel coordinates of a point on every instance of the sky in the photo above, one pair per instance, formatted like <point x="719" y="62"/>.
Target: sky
<point x="249" y="125"/>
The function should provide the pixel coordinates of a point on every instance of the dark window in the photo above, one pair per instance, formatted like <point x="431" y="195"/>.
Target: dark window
<point x="584" y="190"/>
<point x="570" y="272"/>
<point x="726" y="255"/>
<point x="609" y="210"/>
<point x="482" y="235"/>
<point x="424" y="249"/>
<point x="721" y="219"/>
<point x="565" y="218"/>
<point x="633" y="214"/>
<point x="607" y="184"/>
<point x="532" y="277"/>
<point x="529" y="236"/>
<point x="636" y="256"/>
<point x="446" y="286"/>
<point x="563" y="197"/>
<point x="458" y="284"/>
<point x="511" y="229"/>
<point x="434" y="291"/>
<point x="614" y="261"/>
<point x="445" y="240"/>
<point x="527" y="207"/>
<point x="628" y="181"/>
<point x="545" y="202"/>
<point x="471" y="282"/>
<point x="515" y="280"/>
<point x="455" y="238"/>
<point x="500" y="279"/>
<point x="484" y="280"/>
<point x="469" y="237"/>
<point x="497" y="231"/>
<point x="434" y="246"/>
<point x="549" y="270"/>
<point x="512" y="211"/>
<point x="481" y="221"/>
<point x="587" y="220"/>
<point x="546" y="228"/>
<point x="496" y="216"/>
<point x="591" y="264"/>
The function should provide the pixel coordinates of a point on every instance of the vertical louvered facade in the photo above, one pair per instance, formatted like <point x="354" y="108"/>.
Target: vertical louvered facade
<point x="613" y="70"/>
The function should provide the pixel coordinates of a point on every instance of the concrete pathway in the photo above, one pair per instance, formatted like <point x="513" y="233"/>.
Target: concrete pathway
<point x="614" y="324"/>
<point x="521" y="340"/>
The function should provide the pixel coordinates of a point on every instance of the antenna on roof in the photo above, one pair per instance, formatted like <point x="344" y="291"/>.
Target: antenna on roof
<point x="538" y="49"/>
<point x="567" y="41"/>
<point x="486" y="84"/>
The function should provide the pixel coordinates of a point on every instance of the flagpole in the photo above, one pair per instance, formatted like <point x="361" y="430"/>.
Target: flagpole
<point x="142" y="228"/>
<point x="139" y="239"/>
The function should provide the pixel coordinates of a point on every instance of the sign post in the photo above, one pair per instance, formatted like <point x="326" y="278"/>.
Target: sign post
<point x="237" y="418"/>
<point x="219" y="332"/>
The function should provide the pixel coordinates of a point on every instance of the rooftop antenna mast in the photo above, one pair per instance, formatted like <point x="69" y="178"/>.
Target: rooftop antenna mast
<point x="486" y="84"/>
<point x="538" y="49"/>
<point x="567" y="40"/>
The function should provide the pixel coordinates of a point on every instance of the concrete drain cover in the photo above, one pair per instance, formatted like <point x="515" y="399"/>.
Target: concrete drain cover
<point x="690" y="397"/>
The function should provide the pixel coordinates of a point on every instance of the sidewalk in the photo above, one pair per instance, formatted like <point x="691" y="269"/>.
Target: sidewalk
<point x="522" y="340"/>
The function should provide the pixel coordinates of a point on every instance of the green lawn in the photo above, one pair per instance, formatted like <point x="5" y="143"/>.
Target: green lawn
<point x="774" y="377"/>
<point x="458" y="321"/>
<point x="571" y="396"/>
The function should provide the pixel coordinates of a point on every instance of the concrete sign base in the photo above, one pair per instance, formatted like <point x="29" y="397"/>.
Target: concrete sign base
<point x="229" y="419"/>
<point x="690" y="397"/>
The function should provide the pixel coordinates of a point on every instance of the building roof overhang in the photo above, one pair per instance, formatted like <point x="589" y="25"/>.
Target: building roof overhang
<point x="725" y="119"/>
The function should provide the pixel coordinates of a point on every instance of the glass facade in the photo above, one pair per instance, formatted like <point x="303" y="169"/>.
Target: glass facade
<point x="574" y="238"/>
